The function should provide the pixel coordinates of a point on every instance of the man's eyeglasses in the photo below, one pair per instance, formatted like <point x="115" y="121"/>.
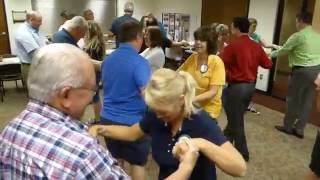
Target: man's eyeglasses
<point x="94" y="89"/>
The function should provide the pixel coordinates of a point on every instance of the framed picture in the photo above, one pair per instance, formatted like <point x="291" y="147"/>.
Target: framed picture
<point x="19" y="16"/>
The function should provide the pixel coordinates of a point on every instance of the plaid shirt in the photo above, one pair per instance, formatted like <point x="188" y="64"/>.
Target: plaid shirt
<point x="44" y="143"/>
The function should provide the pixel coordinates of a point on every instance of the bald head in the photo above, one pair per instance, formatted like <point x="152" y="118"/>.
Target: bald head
<point x="34" y="18"/>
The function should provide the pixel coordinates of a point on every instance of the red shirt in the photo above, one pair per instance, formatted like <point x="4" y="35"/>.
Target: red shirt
<point x="242" y="58"/>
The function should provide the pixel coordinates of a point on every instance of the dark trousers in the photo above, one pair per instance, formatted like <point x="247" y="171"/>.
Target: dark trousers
<point x="300" y="98"/>
<point x="236" y="98"/>
<point x="315" y="157"/>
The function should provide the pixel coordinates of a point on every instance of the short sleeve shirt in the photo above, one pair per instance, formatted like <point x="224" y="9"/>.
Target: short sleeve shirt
<point x="64" y="36"/>
<point x="27" y="39"/>
<point x="215" y="75"/>
<point x="198" y="125"/>
<point x="124" y="74"/>
<point x="155" y="57"/>
<point x="116" y="25"/>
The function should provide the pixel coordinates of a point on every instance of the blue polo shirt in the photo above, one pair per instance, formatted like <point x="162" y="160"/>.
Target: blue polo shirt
<point x="64" y="36"/>
<point x="199" y="125"/>
<point x="124" y="73"/>
<point x="116" y="25"/>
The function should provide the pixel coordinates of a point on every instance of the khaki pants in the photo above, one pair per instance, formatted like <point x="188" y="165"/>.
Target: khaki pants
<point x="25" y="73"/>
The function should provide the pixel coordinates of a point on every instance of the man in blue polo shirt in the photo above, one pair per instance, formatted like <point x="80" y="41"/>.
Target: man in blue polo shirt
<point x="74" y="30"/>
<point x="124" y="75"/>
<point x="116" y="24"/>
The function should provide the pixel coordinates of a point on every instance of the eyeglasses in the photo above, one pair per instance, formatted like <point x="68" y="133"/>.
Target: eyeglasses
<point x="93" y="89"/>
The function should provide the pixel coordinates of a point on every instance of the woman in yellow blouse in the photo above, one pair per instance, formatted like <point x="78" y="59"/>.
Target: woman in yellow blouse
<point x="208" y="70"/>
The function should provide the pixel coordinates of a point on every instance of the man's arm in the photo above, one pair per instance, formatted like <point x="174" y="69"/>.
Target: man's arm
<point x="99" y="164"/>
<point x="265" y="61"/>
<point x="124" y="133"/>
<point x="293" y="41"/>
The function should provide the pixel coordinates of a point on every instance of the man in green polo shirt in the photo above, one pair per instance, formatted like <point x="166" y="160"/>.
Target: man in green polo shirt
<point x="303" y="50"/>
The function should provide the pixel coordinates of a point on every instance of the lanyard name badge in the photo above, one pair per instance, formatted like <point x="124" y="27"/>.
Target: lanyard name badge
<point x="203" y="68"/>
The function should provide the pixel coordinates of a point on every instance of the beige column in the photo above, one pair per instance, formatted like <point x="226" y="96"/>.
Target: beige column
<point x="316" y="16"/>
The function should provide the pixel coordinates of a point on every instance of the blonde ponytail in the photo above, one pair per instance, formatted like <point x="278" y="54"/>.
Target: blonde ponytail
<point x="166" y="87"/>
<point x="190" y="90"/>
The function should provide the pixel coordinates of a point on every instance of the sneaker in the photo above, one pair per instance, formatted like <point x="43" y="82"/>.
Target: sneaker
<point x="253" y="110"/>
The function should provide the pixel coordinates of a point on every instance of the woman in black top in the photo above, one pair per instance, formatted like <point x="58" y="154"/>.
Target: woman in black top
<point x="172" y="115"/>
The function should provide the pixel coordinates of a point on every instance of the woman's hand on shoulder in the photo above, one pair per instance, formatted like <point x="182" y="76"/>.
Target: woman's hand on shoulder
<point x="95" y="130"/>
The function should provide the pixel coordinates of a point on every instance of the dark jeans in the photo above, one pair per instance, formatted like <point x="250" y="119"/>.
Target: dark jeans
<point x="300" y="98"/>
<point x="136" y="153"/>
<point x="236" y="98"/>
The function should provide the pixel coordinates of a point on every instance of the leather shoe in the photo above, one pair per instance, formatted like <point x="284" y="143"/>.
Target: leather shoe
<point x="246" y="158"/>
<point x="283" y="130"/>
<point x="298" y="135"/>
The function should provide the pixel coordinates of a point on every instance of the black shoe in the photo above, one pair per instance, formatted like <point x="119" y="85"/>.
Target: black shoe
<point x="283" y="130"/>
<point x="298" y="135"/>
<point x="246" y="158"/>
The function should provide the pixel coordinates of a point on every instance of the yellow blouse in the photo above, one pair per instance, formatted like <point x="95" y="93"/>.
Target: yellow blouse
<point x="215" y="75"/>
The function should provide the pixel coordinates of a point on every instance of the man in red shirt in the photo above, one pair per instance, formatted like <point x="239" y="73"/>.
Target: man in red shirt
<point x="241" y="58"/>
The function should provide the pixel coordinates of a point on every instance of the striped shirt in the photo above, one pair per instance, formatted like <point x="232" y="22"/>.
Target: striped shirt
<point x="44" y="143"/>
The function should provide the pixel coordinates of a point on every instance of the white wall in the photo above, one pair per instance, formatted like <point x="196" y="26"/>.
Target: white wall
<point x="157" y="7"/>
<point x="16" y="5"/>
<point x="266" y="13"/>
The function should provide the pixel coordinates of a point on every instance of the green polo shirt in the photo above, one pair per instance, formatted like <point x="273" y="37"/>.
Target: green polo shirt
<point x="302" y="48"/>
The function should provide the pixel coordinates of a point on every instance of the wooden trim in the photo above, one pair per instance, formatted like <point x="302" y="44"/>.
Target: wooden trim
<point x="316" y="16"/>
<point x="7" y="28"/>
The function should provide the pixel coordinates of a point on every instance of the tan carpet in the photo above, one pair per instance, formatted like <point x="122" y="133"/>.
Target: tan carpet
<point x="273" y="155"/>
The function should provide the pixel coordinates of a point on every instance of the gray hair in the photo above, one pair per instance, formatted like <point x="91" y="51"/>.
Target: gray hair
<point x="53" y="67"/>
<point x="128" y="7"/>
<point x="76" y="22"/>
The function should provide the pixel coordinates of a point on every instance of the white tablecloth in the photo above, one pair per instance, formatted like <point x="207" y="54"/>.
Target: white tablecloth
<point x="13" y="60"/>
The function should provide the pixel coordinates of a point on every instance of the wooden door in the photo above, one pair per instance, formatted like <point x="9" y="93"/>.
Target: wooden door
<point x="4" y="35"/>
<point x="223" y="11"/>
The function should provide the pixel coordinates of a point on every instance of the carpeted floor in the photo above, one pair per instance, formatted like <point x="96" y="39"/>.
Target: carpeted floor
<point x="273" y="155"/>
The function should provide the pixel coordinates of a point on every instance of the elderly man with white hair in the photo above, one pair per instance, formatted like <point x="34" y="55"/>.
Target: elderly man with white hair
<point x="47" y="140"/>
<point x="73" y="31"/>
<point x="116" y="24"/>
<point x="28" y="39"/>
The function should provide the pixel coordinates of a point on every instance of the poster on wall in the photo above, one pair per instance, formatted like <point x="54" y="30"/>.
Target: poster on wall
<point x="176" y="25"/>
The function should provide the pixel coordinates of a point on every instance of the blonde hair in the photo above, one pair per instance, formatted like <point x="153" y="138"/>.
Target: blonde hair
<point x="253" y="21"/>
<point x="94" y="42"/>
<point x="166" y="87"/>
